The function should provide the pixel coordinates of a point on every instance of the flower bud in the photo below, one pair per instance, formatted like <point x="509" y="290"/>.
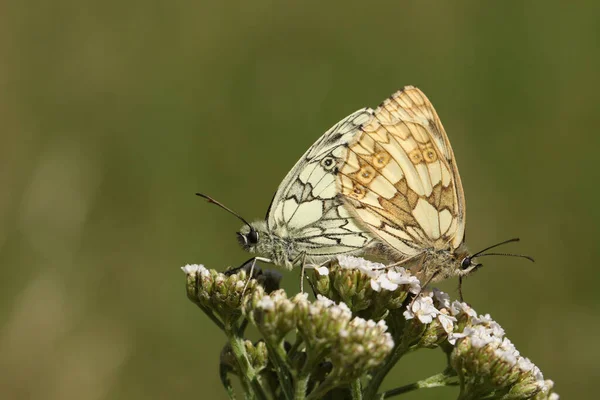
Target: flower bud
<point x="218" y="293"/>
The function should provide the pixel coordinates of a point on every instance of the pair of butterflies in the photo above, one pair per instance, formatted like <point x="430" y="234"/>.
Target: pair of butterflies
<point x="380" y="181"/>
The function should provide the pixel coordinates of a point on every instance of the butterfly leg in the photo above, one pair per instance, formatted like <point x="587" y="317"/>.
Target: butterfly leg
<point x="301" y="259"/>
<point x="402" y="262"/>
<point x="423" y="286"/>
<point x="302" y="273"/>
<point x="244" y="266"/>
<point x="251" y="273"/>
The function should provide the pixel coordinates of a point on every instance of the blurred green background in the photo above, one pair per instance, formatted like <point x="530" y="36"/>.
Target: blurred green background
<point x="113" y="113"/>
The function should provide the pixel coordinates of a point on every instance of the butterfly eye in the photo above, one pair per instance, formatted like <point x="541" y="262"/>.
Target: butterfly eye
<point x="248" y="239"/>
<point x="328" y="163"/>
<point x="252" y="237"/>
<point x="465" y="263"/>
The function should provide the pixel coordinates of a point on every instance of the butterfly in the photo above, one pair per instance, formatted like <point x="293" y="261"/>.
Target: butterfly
<point x="307" y="220"/>
<point x="399" y="177"/>
<point x="380" y="181"/>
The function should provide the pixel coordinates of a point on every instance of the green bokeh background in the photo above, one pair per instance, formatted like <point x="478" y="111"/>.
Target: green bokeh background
<point x="113" y="113"/>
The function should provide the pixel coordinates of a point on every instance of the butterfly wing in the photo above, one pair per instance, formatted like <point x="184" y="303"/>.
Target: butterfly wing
<point x="400" y="177"/>
<point x="307" y="206"/>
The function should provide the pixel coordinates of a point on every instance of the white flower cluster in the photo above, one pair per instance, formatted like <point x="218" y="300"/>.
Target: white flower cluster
<point x="361" y="326"/>
<point x="485" y="360"/>
<point x="382" y="277"/>
<point x="364" y="344"/>
<point x="485" y="333"/>
<point x="327" y="328"/>
<point x="482" y="331"/>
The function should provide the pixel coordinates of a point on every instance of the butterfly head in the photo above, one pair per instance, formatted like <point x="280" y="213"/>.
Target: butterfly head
<point x="469" y="263"/>
<point x="249" y="237"/>
<point x="257" y="238"/>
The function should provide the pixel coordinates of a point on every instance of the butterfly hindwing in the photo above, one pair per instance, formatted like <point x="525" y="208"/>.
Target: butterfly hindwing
<point x="307" y="206"/>
<point x="400" y="178"/>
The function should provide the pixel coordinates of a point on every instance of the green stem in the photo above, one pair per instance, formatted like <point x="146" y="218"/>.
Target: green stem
<point x="437" y="380"/>
<point x="249" y="378"/>
<point x="329" y="383"/>
<point x="381" y="372"/>
<point x="223" y="374"/>
<point x="301" y="385"/>
<point x="356" y="389"/>
<point x="304" y="374"/>
<point x="295" y="347"/>
<point x="278" y="358"/>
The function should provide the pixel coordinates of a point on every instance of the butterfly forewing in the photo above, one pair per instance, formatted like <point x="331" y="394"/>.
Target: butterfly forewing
<point x="400" y="178"/>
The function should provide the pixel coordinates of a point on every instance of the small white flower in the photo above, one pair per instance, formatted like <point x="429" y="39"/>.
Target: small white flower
<point x="447" y="321"/>
<point x="400" y="276"/>
<point x="367" y="267"/>
<point x="322" y="270"/>
<point x="266" y="303"/>
<point x="381" y="282"/>
<point x="300" y="297"/>
<point x="548" y="386"/>
<point x="390" y="280"/>
<point x="324" y="301"/>
<point x="335" y="310"/>
<point x="483" y="319"/>
<point x="375" y="285"/>
<point x="385" y="283"/>
<point x="481" y="336"/>
<point x="454" y="336"/>
<point x="358" y="321"/>
<point x="506" y="356"/>
<point x="344" y="308"/>
<point x="195" y="268"/>
<point x="525" y="364"/>
<point x="509" y="347"/>
<point x="537" y="373"/>
<point x="389" y="342"/>
<point x="458" y="307"/>
<point x="442" y="298"/>
<point x="423" y="309"/>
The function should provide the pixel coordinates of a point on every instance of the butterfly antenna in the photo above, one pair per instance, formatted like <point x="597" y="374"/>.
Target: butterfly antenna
<point x="509" y="255"/>
<point x="493" y="246"/>
<point x="213" y="201"/>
